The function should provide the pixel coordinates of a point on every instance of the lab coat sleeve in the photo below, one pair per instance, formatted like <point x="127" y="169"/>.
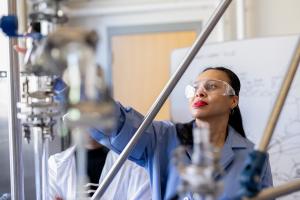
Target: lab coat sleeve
<point x="128" y="122"/>
<point x="139" y="183"/>
<point x="118" y="187"/>
<point x="109" y="161"/>
<point x="131" y="182"/>
<point x="54" y="189"/>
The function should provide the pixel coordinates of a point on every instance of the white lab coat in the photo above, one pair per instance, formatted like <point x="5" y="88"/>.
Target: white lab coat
<point x="131" y="182"/>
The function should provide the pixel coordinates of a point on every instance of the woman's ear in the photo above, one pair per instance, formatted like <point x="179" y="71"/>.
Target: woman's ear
<point x="234" y="102"/>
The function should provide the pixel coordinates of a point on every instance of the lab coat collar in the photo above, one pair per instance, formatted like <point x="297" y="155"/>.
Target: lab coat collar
<point x="233" y="141"/>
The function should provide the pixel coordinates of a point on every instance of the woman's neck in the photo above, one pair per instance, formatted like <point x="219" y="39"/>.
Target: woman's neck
<point x="218" y="130"/>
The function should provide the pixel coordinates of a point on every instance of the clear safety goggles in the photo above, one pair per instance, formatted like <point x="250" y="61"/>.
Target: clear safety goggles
<point x="209" y="86"/>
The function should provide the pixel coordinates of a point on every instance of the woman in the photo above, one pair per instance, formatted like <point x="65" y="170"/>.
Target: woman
<point x="214" y="100"/>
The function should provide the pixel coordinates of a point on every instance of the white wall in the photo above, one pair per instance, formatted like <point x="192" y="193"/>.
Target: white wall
<point x="4" y="61"/>
<point x="103" y="15"/>
<point x="272" y="17"/>
<point x="262" y="17"/>
<point x="4" y="146"/>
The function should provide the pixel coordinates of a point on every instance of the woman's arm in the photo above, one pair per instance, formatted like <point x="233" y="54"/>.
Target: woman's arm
<point x="128" y="121"/>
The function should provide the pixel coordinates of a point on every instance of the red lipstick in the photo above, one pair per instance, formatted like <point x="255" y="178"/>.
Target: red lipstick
<point x="199" y="104"/>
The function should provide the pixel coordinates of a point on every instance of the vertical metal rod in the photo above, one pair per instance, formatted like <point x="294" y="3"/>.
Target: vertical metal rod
<point x="163" y="96"/>
<point x="45" y="156"/>
<point x="79" y="140"/>
<point x="37" y="143"/>
<point x="240" y="19"/>
<point x="15" y="136"/>
<point x="283" y="92"/>
<point x="22" y="16"/>
<point x="41" y="154"/>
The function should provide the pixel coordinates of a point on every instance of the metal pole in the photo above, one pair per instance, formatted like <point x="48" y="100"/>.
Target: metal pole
<point x="283" y="92"/>
<point x="81" y="161"/>
<point x="272" y="193"/>
<point x="38" y="143"/>
<point x="41" y="155"/>
<point x="240" y="19"/>
<point x="45" y="156"/>
<point x="15" y="136"/>
<point x="163" y="96"/>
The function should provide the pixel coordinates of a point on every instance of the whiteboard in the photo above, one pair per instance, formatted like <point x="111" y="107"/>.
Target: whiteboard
<point x="261" y="65"/>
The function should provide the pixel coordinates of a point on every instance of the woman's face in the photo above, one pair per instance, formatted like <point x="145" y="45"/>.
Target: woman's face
<point x="211" y="99"/>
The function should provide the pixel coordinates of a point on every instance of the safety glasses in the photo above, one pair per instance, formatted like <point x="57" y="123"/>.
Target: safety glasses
<point x="209" y="86"/>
